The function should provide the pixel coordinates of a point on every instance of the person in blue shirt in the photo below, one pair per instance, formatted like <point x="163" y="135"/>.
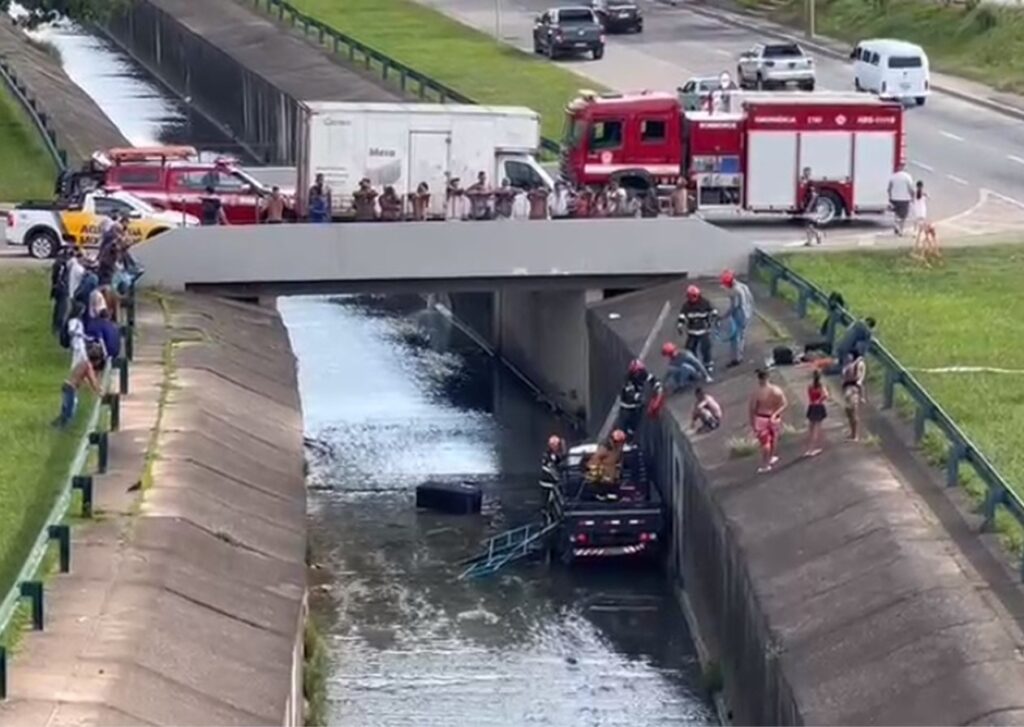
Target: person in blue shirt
<point x="102" y="329"/>
<point x="856" y="339"/>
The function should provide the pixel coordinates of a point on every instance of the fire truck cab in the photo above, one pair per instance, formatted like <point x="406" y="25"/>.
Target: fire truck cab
<point x="747" y="154"/>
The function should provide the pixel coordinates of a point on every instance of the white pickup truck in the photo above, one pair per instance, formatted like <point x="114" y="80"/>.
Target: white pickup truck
<point x="43" y="227"/>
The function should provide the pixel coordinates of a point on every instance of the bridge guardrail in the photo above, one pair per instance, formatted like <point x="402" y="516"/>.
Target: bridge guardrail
<point x="961" y="449"/>
<point x="35" y="112"/>
<point x="409" y="80"/>
<point x="29" y="584"/>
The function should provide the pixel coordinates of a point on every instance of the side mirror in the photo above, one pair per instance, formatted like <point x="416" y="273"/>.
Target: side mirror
<point x="853" y="53"/>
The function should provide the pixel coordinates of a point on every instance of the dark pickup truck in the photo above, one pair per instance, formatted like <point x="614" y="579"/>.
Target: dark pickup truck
<point x="619" y="16"/>
<point x="562" y="31"/>
<point x="598" y="521"/>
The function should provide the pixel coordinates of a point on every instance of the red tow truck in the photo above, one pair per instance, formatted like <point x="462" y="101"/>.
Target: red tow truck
<point x="747" y="155"/>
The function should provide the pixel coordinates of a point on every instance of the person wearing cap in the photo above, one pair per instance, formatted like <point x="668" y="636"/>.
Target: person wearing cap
<point x="640" y="383"/>
<point x="684" y="368"/>
<point x="697" y="317"/>
<point x="741" y="311"/>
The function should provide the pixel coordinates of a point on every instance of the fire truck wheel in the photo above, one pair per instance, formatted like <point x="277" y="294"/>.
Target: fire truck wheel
<point x="830" y="208"/>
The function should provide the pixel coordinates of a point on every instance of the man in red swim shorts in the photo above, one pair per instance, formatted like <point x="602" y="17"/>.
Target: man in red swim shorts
<point x="766" y="406"/>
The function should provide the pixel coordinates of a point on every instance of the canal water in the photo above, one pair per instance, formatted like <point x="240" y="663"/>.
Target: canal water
<point x="142" y="108"/>
<point x="393" y="396"/>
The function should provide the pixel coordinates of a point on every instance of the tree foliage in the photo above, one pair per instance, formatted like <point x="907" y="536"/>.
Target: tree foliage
<point x="44" y="11"/>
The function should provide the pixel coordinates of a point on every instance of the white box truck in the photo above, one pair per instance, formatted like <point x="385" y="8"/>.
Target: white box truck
<point x="404" y="144"/>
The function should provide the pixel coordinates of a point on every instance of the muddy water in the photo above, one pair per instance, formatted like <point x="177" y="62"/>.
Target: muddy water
<point x="393" y="397"/>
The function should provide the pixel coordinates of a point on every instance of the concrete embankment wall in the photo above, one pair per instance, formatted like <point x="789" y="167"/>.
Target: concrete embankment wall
<point x="238" y="68"/>
<point x="80" y="125"/>
<point x="186" y="599"/>
<point x="827" y="590"/>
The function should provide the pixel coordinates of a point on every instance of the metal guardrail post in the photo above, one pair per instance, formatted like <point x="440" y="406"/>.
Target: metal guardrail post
<point x="957" y="454"/>
<point x="993" y="499"/>
<point x="129" y="342"/>
<point x="84" y="483"/>
<point x="102" y="443"/>
<point x="121" y="364"/>
<point x="889" y="388"/>
<point x="33" y="590"/>
<point x="801" y="302"/>
<point x="114" y="402"/>
<point x="62" y="534"/>
<point x="921" y="417"/>
<point x="830" y="328"/>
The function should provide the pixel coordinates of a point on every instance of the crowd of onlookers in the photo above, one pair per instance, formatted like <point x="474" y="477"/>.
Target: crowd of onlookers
<point x="483" y="201"/>
<point x="87" y="295"/>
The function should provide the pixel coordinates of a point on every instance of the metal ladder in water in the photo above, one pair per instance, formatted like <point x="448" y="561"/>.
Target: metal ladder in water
<point x="507" y="547"/>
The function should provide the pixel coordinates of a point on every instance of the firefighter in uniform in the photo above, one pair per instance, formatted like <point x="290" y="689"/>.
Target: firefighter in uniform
<point x="551" y="464"/>
<point x="697" y="319"/>
<point x="639" y="384"/>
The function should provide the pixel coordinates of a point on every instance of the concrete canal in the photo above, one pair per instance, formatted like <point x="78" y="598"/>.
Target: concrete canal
<point x="392" y="396"/>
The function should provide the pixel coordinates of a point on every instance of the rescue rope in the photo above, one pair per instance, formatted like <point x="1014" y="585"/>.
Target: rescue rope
<point x="968" y="370"/>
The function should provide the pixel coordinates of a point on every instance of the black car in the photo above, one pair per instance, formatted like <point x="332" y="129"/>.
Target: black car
<point x="619" y="16"/>
<point x="562" y="31"/>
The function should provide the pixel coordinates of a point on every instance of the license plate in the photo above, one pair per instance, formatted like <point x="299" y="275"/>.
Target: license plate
<point x="623" y="15"/>
<point x="581" y="45"/>
<point x="905" y="86"/>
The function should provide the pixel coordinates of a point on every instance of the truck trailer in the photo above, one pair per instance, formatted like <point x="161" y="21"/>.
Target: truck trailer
<point x="748" y="155"/>
<point x="405" y="144"/>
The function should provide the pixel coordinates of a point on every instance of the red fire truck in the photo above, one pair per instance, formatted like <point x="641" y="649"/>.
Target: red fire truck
<point x="747" y="155"/>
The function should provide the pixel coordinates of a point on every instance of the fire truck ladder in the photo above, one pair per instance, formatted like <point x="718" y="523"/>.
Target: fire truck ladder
<point x="508" y="547"/>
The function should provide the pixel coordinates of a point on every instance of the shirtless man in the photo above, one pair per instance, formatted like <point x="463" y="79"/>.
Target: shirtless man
<point x="766" y="406"/>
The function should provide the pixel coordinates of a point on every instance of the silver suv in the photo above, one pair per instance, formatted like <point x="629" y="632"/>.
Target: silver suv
<point x="775" y="65"/>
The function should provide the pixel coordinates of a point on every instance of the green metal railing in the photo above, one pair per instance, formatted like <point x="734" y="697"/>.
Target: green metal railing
<point x="29" y="586"/>
<point x="39" y="117"/>
<point x="355" y="52"/>
<point x="962" y="451"/>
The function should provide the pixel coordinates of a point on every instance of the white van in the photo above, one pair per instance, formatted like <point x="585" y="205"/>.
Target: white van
<point x="892" y="69"/>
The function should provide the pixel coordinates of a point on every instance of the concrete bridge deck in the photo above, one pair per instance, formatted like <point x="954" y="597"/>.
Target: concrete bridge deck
<point x="384" y="257"/>
<point x="831" y="591"/>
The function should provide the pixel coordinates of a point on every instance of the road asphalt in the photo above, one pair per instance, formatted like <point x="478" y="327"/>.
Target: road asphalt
<point x="971" y="158"/>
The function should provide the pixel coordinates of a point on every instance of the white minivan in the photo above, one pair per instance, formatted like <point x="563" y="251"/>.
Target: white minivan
<point x="892" y="69"/>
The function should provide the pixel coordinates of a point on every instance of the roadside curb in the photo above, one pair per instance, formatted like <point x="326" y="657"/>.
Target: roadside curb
<point x="818" y="47"/>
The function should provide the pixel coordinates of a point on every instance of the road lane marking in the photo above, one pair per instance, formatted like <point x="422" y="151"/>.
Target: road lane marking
<point x="948" y="135"/>
<point x="1013" y="158"/>
<point x="722" y="52"/>
<point x="954" y="178"/>
<point x="923" y="166"/>
<point x="1003" y="197"/>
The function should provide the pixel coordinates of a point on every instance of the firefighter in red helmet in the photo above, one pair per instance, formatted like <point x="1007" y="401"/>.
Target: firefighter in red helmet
<point x="552" y="463"/>
<point x="640" y="385"/>
<point x="697" y="319"/>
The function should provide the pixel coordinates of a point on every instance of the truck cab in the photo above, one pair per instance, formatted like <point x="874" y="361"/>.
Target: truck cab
<point x="633" y="138"/>
<point x="631" y="524"/>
